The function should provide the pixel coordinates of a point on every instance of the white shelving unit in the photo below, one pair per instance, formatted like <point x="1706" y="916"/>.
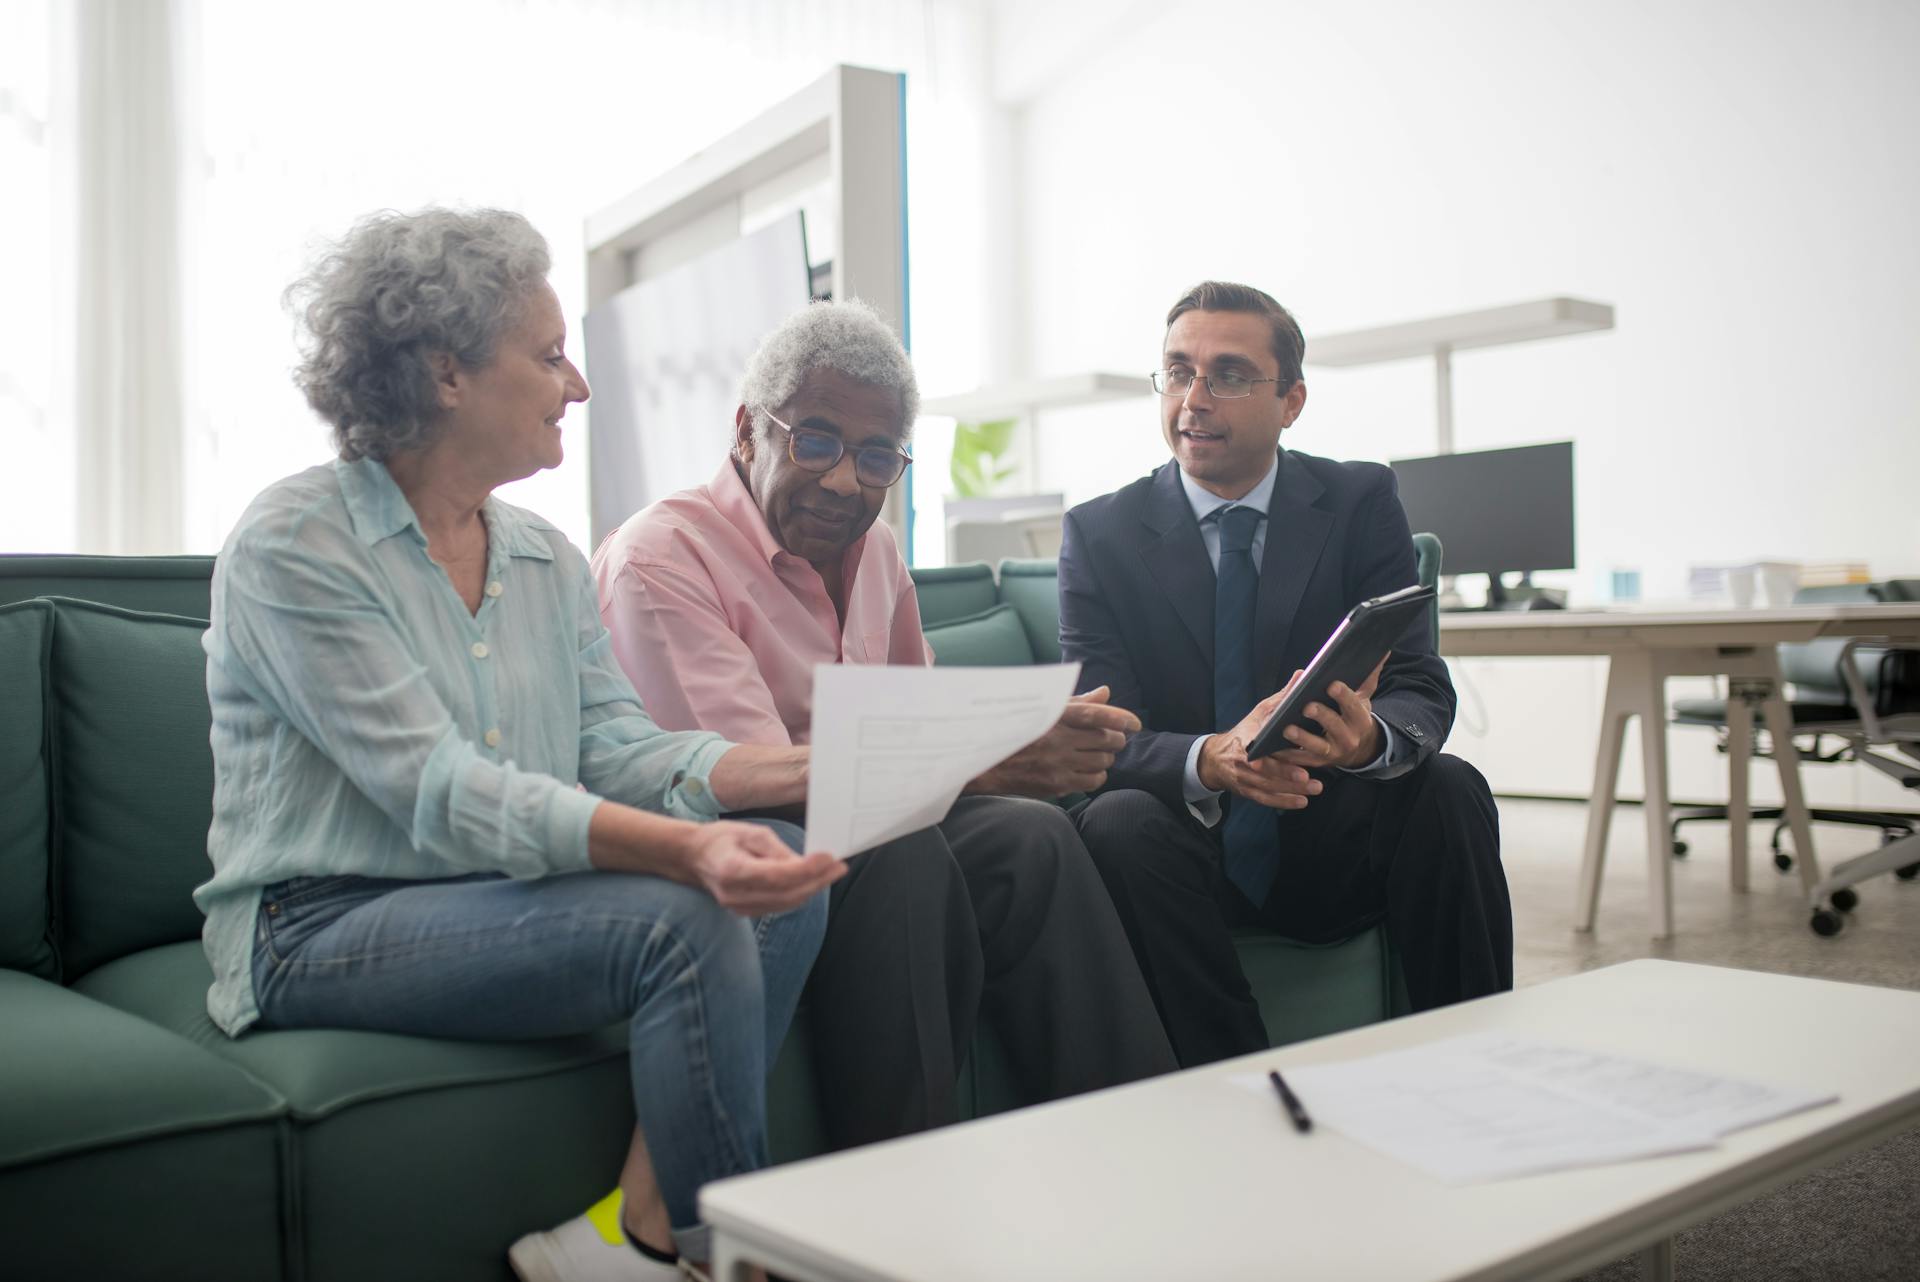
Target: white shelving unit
<point x="1441" y="336"/>
<point x="1025" y="400"/>
<point x="839" y="145"/>
<point x="1028" y="398"/>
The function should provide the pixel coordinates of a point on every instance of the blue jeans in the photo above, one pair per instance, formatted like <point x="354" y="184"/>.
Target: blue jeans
<point x="707" y="996"/>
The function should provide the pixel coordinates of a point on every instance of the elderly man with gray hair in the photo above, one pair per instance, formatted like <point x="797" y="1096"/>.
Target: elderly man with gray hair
<point x="721" y="599"/>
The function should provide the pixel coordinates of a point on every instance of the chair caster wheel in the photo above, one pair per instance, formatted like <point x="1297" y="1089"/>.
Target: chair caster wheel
<point x="1783" y="861"/>
<point x="1680" y="849"/>
<point x="1845" y="900"/>
<point x="1908" y="873"/>
<point x="1826" y="922"/>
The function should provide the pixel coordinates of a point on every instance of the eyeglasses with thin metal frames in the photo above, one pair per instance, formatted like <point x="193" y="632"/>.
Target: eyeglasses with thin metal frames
<point x="870" y="462"/>
<point x="1229" y="386"/>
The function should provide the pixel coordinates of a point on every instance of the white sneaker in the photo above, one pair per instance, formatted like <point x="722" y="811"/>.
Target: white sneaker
<point x="588" y="1248"/>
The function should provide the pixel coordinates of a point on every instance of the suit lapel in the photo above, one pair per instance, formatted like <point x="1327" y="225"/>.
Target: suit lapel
<point x="1177" y="558"/>
<point x="1296" y="535"/>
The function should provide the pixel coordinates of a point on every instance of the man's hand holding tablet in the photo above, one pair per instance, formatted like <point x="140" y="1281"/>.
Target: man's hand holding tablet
<point x="1350" y="735"/>
<point x="1254" y="759"/>
<point x="1282" y="780"/>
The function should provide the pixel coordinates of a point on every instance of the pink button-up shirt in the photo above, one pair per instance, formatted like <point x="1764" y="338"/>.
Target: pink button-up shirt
<point x="719" y="628"/>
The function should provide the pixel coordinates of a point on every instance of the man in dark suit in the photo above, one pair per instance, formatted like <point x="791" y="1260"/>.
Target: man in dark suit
<point x="1208" y="584"/>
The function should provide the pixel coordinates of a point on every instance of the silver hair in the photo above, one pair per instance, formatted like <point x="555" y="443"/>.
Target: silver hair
<point x="848" y="336"/>
<point x="392" y="292"/>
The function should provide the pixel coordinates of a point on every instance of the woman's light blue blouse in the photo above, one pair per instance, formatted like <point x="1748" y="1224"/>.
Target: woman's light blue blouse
<point x="365" y="723"/>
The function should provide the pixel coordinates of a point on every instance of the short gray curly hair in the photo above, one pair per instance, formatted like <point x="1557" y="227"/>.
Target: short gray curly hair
<point x="396" y="289"/>
<point x="848" y="336"/>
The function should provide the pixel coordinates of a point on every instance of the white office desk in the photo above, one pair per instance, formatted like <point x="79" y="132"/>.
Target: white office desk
<point x="1193" y="1176"/>
<point x="1643" y="649"/>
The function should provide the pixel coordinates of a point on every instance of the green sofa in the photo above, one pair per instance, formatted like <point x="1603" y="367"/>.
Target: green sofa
<point x="136" y="1140"/>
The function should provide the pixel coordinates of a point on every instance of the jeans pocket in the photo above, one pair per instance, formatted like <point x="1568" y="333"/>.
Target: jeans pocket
<point x="293" y="911"/>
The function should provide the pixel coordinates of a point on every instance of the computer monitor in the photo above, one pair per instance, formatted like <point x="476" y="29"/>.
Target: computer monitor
<point x="1494" y="510"/>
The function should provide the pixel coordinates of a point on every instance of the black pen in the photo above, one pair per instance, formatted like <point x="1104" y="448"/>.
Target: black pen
<point x="1295" y="1110"/>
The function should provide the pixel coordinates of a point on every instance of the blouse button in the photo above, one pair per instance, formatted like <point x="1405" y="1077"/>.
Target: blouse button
<point x="493" y="737"/>
<point x="480" y="650"/>
<point x="494" y="588"/>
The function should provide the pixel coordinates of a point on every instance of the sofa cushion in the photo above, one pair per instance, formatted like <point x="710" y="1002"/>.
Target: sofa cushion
<point x="133" y="780"/>
<point x="1311" y="990"/>
<point x="78" y="1074"/>
<point x="323" y="1070"/>
<point x="125" y="1151"/>
<point x="992" y="638"/>
<point x="1033" y="589"/>
<point x="26" y="932"/>
<point x="417" y="1157"/>
<point x="953" y="591"/>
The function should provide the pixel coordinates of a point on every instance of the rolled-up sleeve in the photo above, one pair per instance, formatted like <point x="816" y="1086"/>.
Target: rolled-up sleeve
<point x="305" y="621"/>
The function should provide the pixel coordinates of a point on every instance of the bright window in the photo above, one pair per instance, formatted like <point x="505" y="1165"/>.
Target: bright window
<point x="36" y="431"/>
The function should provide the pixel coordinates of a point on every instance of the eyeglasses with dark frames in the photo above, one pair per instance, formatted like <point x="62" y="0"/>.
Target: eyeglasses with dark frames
<point x="874" y="466"/>
<point x="1229" y="385"/>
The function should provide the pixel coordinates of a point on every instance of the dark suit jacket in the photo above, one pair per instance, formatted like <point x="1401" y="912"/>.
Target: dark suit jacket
<point x="1136" y="606"/>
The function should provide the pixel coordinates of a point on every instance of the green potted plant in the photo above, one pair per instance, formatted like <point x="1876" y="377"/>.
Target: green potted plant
<point x="979" y="457"/>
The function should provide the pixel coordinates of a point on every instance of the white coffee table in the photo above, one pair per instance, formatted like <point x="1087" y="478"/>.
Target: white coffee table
<point x="1193" y="1177"/>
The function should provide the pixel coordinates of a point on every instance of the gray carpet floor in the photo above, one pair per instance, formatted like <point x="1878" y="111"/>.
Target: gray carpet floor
<point x="1856" y="1219"/>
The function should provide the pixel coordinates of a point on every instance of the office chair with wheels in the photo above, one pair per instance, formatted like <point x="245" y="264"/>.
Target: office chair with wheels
<point x="1883" y="684"/>
<point x="1859" y="695"/>
<point x="1820" y="709"/>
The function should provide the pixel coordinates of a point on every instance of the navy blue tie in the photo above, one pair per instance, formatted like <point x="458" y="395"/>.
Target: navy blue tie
<point x="1249" y="833"/>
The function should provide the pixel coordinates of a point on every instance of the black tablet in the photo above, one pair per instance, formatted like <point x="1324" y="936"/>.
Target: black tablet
<point x="1363" y="639"/>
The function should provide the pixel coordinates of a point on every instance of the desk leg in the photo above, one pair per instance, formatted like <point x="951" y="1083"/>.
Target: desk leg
<point x="1779" y="723"/>
<point x="1653" y="761"/>
<point x="1739" y="766"/>
<point x="1656" y="1262"/>
<point x="1624" y="672"/>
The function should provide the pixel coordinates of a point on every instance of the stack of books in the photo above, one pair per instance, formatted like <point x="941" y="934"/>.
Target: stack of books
<point x="1825" y="574"/>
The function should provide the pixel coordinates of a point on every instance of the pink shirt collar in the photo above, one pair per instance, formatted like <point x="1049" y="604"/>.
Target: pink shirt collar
<point x="720" y="628"/>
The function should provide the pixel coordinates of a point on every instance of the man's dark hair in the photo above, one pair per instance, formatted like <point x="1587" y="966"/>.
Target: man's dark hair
<point x="1289" y="345"/>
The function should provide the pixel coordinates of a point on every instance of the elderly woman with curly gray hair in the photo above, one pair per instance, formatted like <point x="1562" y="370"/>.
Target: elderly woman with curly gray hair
<point x="439" y="807"/>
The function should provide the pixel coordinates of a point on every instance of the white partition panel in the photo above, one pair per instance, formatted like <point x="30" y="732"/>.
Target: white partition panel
<point x="834" y="151"/>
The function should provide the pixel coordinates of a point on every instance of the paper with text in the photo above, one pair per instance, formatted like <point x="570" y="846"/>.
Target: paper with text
<point x="893" y="745"/>
<point x="1489" y="1106"/>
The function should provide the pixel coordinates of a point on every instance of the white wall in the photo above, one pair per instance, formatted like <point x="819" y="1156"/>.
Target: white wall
<point x="1739" y="179"/>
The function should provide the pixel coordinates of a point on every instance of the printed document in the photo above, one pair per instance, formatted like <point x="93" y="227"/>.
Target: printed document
<point x="1488" y="1106"/>
<point x="893" y="745"/>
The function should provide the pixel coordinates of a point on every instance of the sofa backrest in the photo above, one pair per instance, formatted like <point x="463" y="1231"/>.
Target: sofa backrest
<point x="168" y="584"/>
<point x="131" y="780"/>
<point x="1033" y="589"/>
<point x="954" y="591"/>
<point x="26" y="905"/>
<point x="1426" y="556"/>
